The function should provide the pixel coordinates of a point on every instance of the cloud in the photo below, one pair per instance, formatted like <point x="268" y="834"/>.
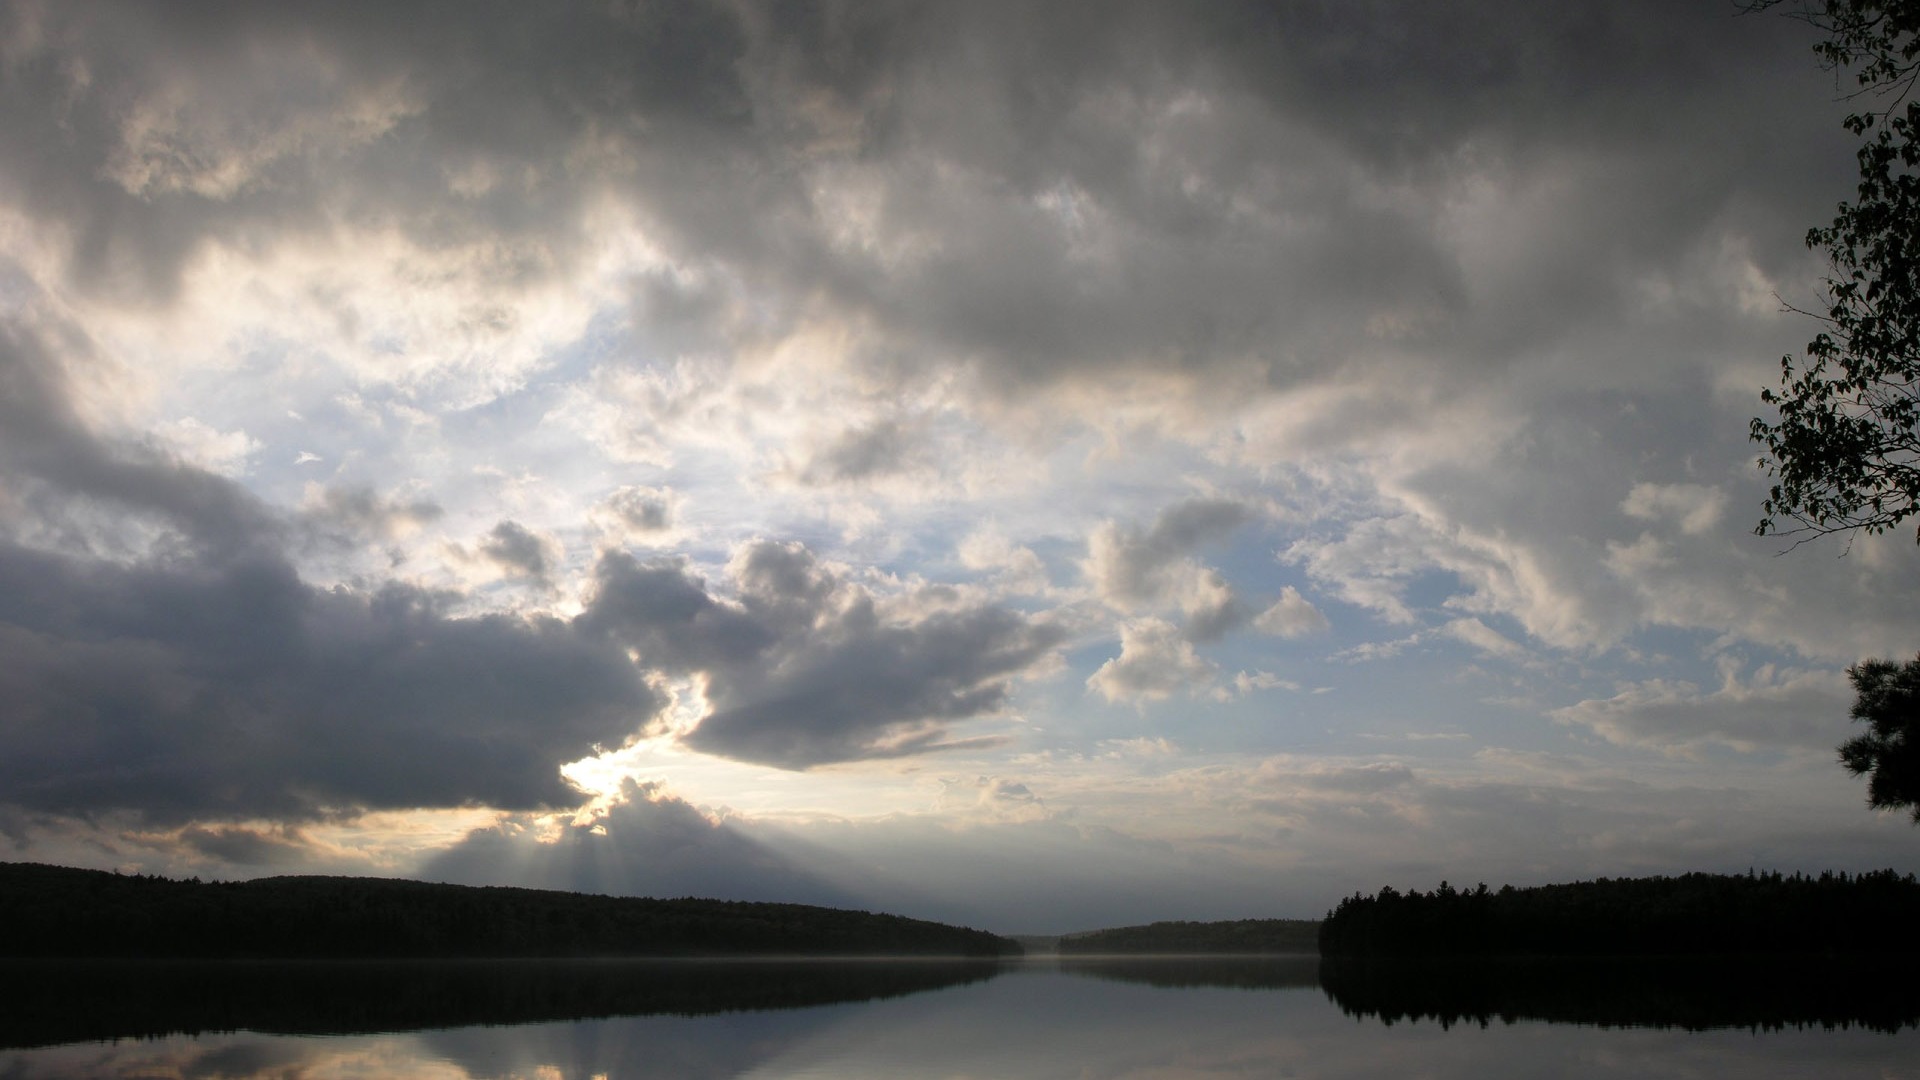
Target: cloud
<point x="1368" y="779"/>
<point x="1485" y="638"/>
<point x="1291" y="616"/>
<point x="1131" y="566"/>
<point x="70" y="474"/>
<point x="1695" y="508"/>
<point x="358" y="512"/>
<point x="198" y="675"/>
<point x="1371" y="565"/>
<point x="1467" y="307"/>
<point x="805" y="668"/>
<point x="241" y="846"/>
<point x="223" y="452"/>
<point x="989" y="798"/>
<point x="1079" y="876"/>
<point x="1155" y="662"/>
<point x="1090" y="225"/>
<point x="1289" y="835"/>
<point x="646" y="843"/>
<point x="883" y="448"/>
<point x="520" y="552"/>
<point x="197" y="125"/>
<point x="1016" y="567"/>
<point x="1249" y="682"/>
<point x="1773" y="709"/>
<point x="234" y="689"/>
<point x="1133" y="569"/>
<point x="639" y="515"/>
<point x="663" y="611"/>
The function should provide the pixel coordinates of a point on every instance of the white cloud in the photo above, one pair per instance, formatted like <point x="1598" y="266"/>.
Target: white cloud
<point x="1136" y="569"/>
<point x="1249" y="682"/>
<point x="1291" y="616"/>
<point x="1016" y="567"/>
<point x="223" y="452"/>
<point x="1694" y="508"/>
<point x="1155" y="662"/>
<point x="989" y="798"/>
<point x="1140" y="747"/>
<point x="1772" y="709"/>
<point x="1485" y="638"/>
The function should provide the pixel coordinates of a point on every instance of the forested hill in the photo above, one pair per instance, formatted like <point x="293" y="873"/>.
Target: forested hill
<point x="59" y="911"/>
<point x="1873" y="913"/>
<point x="1197" y="938"/>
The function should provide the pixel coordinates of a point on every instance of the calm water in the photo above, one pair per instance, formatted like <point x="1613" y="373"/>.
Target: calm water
<point x="1038" y="1018"/>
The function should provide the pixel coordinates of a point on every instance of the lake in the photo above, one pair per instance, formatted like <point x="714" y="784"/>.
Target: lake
<point x="1162" y="1018"/>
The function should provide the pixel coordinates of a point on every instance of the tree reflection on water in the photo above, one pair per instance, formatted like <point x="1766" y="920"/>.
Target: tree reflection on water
<point x="1695" y="993"/>
<point x="1173" y="1018"/>
<point x="52" y="1002"/>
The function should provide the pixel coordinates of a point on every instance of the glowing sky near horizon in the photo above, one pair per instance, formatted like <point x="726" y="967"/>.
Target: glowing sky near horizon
<point x="1034" y="465"/>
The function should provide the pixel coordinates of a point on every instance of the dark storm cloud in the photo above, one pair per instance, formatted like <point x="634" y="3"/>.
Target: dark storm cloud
<point x="804" y="668"/>
<point x="237" y="690"/>
<point x="203" y="677"/>
<point x="1258" y="192"/>
<point x="666" y="613"/>
<point x="237" y="846"/>
<point x="519" y="551"/>
<point x="1236" y="194"/>
<point x="150" y="131"/>
<point x="1204" y="203"/>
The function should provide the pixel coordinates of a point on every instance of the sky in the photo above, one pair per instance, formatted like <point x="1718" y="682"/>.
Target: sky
<point x="1037" y="466"/>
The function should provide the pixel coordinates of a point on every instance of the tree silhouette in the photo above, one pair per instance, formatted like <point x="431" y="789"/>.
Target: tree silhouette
<point x="1889" y="701"/>
<point x="62" y="911"/>
<point x="1693" y="914"/>
<point x="1844" y="454"/>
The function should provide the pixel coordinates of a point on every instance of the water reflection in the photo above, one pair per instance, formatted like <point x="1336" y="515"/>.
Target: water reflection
<point x="1175" y="1020"/>
<point x="1693" y="993"/>
<point x="1243" y="972"/>
<point x="51" y="1002"/>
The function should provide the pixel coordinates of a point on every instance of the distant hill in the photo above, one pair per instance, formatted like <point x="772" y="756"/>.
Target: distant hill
<point x="1246" y="936"/>
<point x="59" y="911"/>
<point x="1874" y="913"/>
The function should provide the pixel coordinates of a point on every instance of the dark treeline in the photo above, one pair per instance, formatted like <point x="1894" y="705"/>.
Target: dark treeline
<point x="48" y="1002"/>
<point x="1760" y="993"/>
<point x="57" y="911"/>
<point x="1238" y="936"/>
<point x="1874" y="913"/>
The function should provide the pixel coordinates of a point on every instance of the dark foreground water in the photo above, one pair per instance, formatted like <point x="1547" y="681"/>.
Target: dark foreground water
<point x="1166" y="1019"/>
